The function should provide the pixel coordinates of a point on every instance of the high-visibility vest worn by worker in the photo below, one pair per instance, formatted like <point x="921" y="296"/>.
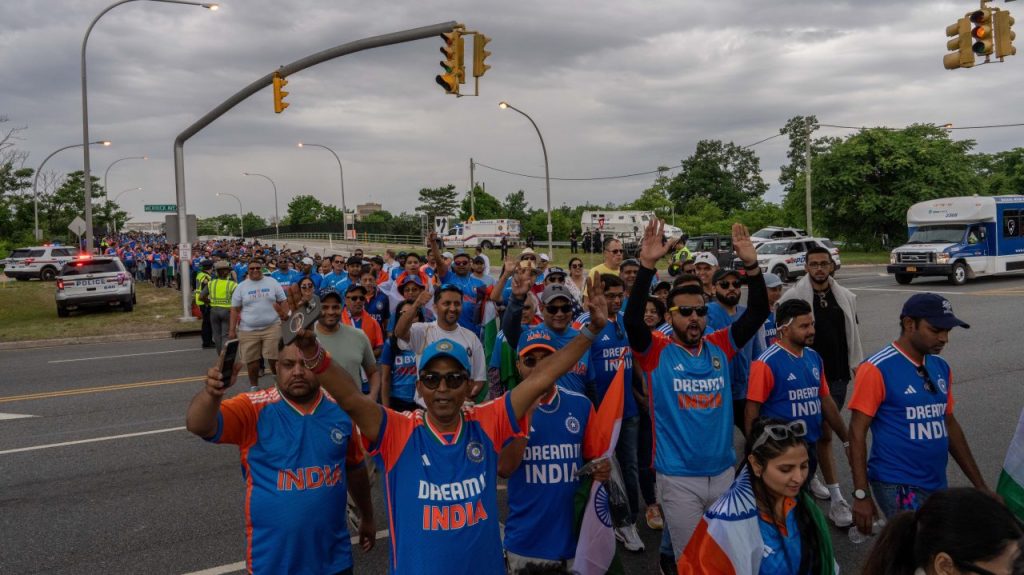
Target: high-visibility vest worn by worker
<point x="202" y="278"/>
<point x="220" y="291"/>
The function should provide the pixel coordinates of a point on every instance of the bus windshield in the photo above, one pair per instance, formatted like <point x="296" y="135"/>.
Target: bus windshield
<point x="945" y="234"/>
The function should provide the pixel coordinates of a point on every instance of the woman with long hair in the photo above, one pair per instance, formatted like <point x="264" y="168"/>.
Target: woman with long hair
<point x="398" y="368"/>
<point x="765" y="524"/>
<point x="577" y="279"/>
<point x="956" y="531"/>
<point x="654" y="313"/>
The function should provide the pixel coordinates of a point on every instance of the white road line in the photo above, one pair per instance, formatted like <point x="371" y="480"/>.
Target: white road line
<point x="15" y="416"/>
<point x="93" y="440"/>
<point x="117" y="356"/>
<point x="232" y="567"/>
<point x="909" y="290"/>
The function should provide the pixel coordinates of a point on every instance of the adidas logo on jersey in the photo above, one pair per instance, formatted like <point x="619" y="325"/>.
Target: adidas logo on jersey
<point x="791" y="377"/>
<point x="910" y="390"/>
<point x="679" y="367"/>
<point x="606" y="338"/>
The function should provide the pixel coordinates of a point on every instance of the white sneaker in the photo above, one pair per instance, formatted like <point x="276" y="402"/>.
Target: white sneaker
<point x="818" y="489"/>
<point x="840" y="513"/>
<point x="630" y="538"/>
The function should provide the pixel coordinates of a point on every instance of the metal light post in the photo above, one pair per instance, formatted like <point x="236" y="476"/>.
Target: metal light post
<point x="341" y="171"/>
<point x="106" y="187"/>
<point x="35" y="180"/>
<point x="547" y="177"/>
<point x="85" y="109"/>
<point x="241" y="220"/>
<point x="277" y="214"/>
<point x="115" y="201"/>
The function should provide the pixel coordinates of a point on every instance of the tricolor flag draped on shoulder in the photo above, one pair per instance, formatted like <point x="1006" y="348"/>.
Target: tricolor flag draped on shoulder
<point x="1011" y="480"/>
<point x="595" y="549"/>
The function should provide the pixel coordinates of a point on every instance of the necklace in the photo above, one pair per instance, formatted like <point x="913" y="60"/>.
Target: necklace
<point x="823" y="298"/>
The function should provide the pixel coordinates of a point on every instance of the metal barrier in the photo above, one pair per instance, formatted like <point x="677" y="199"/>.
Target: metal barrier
<point x="360" y="238"/>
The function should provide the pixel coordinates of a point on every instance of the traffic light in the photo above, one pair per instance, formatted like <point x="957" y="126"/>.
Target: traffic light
<point x="479" y="55"/>
<point x="454" y="70"/>
<point x="279" y="93"/>
<point x="962" y="56"/>
<point x="982" y="32"/>
<point x="1003" y="25"/>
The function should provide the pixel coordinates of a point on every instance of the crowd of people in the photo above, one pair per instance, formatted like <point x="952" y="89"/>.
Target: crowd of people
<point x="444" y="377"/>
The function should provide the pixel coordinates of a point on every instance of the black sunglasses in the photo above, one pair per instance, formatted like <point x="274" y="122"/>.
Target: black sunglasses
<point x="726" y="284"/>
<point x="306" y="286"/>
<point x="618" y="251"/>
<point x="453" y="380"/>
<point x="687" y="311"/>
<point x="576" y="266"/>
<point x="564" y="308"/>
<point x="929" y="385"/>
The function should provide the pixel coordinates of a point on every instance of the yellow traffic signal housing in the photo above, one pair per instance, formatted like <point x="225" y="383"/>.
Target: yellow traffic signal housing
<point x="982" y="32"/>
<point x="963" y="55"/>
<point x="454" y="71"/>
<point x="1003" y="25"/>
<point x="479" y="55"/>
<point x="279" y="93"/>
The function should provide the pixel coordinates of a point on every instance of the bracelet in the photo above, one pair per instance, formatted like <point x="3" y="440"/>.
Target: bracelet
<point x="312" y="362"/>
<point x="587" y="332"/>
<point x="326" y="363"/>
<point x="752" y="267"/>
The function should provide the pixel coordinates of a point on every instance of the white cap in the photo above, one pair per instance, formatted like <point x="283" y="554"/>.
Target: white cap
<point x="308" y="261"/>
<point x="772" y="280"/>
<point x="447" y="255"/>
<point x="545" y="257"/>
<point x="705" y="258"/>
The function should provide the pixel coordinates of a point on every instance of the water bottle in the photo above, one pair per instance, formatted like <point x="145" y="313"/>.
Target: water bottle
<point x="856" y="537"/>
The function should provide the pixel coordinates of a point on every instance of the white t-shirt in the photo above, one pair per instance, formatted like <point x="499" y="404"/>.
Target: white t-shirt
<point x="423" y="334"/>
<point x="256" y="298"/>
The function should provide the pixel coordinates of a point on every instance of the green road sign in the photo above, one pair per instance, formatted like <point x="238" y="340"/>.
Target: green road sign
<point x="161" y="207"/>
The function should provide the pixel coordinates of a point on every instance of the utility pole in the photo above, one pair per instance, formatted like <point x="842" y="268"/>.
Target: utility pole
<point x="472" y="191"/>
<point x="807" y="177"/>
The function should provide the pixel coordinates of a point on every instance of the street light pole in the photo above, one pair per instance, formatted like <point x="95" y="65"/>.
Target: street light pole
<point x="277" y="214"/>
<point x="85" y="109"/>
<point x="35" y="180"/>
<point x="106" y="187"/>
<point x="241" y="220"/>
<point x="341" y="171"/>
<point x="547" y="177"/>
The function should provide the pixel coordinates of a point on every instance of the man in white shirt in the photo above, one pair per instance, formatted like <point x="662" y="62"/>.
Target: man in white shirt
<point x="257" y="309"/>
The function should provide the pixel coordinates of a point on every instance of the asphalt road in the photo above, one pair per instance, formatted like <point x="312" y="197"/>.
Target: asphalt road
<point x="99" y="475"/>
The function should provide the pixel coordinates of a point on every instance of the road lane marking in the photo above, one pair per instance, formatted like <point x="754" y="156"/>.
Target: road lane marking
<point x="93" y="440"/>
<point x="119" y="356"/>
<point x="4" y="416"/>
<point x="85" y="390"/>
<point x="240" y="566"/>
<point x="909" y="290"/>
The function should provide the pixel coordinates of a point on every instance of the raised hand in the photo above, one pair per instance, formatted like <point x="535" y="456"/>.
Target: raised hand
<point x="596" y="304"/>
<point x="742" y="245"/>
<point x="522" y="281"/>
<point x="653" y="246"/>
<point x="424" y="298"/>
<point x="509" y="267"/>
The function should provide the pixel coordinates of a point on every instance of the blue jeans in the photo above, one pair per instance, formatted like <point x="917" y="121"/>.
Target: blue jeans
<point x="893" y="498"/>
<point x="626" y="454"/>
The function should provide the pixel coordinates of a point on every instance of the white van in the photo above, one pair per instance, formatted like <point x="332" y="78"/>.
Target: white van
<point x="484" y="233"/>
<point x="625" y="225"/>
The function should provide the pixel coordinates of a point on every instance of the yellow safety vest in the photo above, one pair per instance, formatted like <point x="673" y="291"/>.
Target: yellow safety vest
<point x="221" y="291"/>
<point x="202" y="278"/>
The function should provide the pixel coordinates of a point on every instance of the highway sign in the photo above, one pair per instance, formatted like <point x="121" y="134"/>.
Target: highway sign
<point x="161" y="207"/>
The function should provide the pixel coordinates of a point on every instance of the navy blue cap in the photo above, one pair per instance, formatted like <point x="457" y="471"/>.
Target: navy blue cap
<point x="411" y="278"/>
<point x="330" y="291"/>
<point x="444" y="348"/>
<point x="934" y="308"/>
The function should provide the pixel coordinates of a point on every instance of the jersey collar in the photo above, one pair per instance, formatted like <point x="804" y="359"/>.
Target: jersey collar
<point x="300" y="409"/>
<point x="551" y="405"/>
<point x="789" y="351"/>
<point x="904" y="354"/>
<point x="439" y="435"/>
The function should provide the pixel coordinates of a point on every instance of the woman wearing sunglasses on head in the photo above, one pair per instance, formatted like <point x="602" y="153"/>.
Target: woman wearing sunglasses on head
<point x="765" y="524"/>
<point x="956" y="531"/>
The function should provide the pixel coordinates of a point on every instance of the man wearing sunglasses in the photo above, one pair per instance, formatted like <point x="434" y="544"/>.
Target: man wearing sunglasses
<point x="725" y="309"/>
<point x="904" y="395"/>
<point x="612" y="259"/>
<point x="691" y="394"/>
<point x="441" y="462"/>
<point x="460" y="274"/>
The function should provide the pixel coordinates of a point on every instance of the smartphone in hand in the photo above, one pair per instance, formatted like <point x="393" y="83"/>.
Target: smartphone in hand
<point x="227" y="367"/>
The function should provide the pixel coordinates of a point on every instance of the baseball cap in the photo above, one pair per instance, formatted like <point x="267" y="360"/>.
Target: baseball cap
<point x="705" y="258"/>
<point x="206" y="264"/>
<point x="447" y="255"/>
<point x="413" y="278"/>
<point x="554" y="291"/>
<point x="537" y="339"/>
<point x="444" y="348"/>
<point x="222" y="265"/>
<point x="661" y="285"/>
<point x="354" y="260"/>
<point x="308" y="261"/>
<point x="722" y="273"/>
<point x="934" y="308"/>
<point x="555" y="271"/>
<point x="772" y="280"/>
<point x="330" y="291"/>
<point x="630" y="262"/>
<point x="544" y="257"/>
<point x="461" y="254"/>
<point x="355" y="287"/>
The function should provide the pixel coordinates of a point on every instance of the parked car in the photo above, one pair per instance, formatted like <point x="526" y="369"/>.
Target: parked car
<point x="776" y="233"/>
<point x="94" y="282"/>
<point x="786" y="258"/>
<point x="42" y="262"/>
<point x="719" y="245"/>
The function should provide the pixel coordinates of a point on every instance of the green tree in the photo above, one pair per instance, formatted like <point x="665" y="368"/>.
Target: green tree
<point x="1001" y="173"/>
<point x="56" y="210"/>
<point x="438" y="201"/>
<point x="724" y="173"/>
<point x="488" y="207"/>
<point x="254" y="222"/>
<point x="863" y="185"/>
<point x="791" y="175"/>
<point x="306" y="209"/>
<point x="655" y="198"/>
<point x="515" y="206"/>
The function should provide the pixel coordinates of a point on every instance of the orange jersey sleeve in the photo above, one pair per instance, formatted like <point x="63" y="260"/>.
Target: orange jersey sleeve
<point x="761" y="382"/>
<point x="238" y="418"/>
<point x="949" y="394"/>
<point x="868" y="390"/>
<point x="497" y="420"/>
<point x="372" y="330"/>
<point x="396" y="429"/>
<point x="648" y="360"/>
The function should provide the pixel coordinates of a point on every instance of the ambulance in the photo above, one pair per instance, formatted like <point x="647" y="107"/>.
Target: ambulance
<point x="483" y="233"/>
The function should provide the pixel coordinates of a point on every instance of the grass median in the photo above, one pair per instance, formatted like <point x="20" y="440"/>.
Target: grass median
<point x="28" y="312"/>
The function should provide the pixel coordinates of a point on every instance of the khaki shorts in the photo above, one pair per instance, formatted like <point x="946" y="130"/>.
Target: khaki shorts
<point x="260" y="342"/>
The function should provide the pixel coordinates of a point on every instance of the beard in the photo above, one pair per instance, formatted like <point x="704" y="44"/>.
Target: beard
<point x="729" y="300"/>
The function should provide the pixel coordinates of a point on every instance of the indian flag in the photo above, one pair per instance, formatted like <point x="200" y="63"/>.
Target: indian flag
<point x="1011" y="480"/>
<point x="489" y="320"/>
<point x="595" y="550"/>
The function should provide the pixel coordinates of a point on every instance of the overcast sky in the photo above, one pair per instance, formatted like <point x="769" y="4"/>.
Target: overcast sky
<point x="616" y="87"/>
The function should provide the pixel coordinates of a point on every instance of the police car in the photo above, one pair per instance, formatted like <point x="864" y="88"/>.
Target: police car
<point x="94" y="281"/>
<point x="43" y="262"/>
<point x="786" y="258"/>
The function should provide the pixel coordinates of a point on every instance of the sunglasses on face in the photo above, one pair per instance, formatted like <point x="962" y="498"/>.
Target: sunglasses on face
<point x="556" y="280"/>
<point x="527" y="259"/>
<point x="306" y="286"/>
<point x="354" y="298"/>
<point x="725" y="284"/>
<point x="453" y="380"/>
<point x="781" y="432"/>
<point x="555" y="309"/>
<point x="687" y="311"/>
<point x="618" y="251"/>
<point x="576" y="266"/>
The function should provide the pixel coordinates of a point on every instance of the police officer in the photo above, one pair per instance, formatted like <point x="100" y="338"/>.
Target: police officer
<point x="217" y="296"/>
<point x="203" y="278"/>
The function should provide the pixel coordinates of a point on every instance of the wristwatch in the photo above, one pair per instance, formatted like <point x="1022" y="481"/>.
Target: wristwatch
<point x="860" y="494"/>
<point x="752" y="266"/>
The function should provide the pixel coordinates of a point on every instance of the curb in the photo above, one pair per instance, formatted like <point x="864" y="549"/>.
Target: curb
<point x="32" y="344"/>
